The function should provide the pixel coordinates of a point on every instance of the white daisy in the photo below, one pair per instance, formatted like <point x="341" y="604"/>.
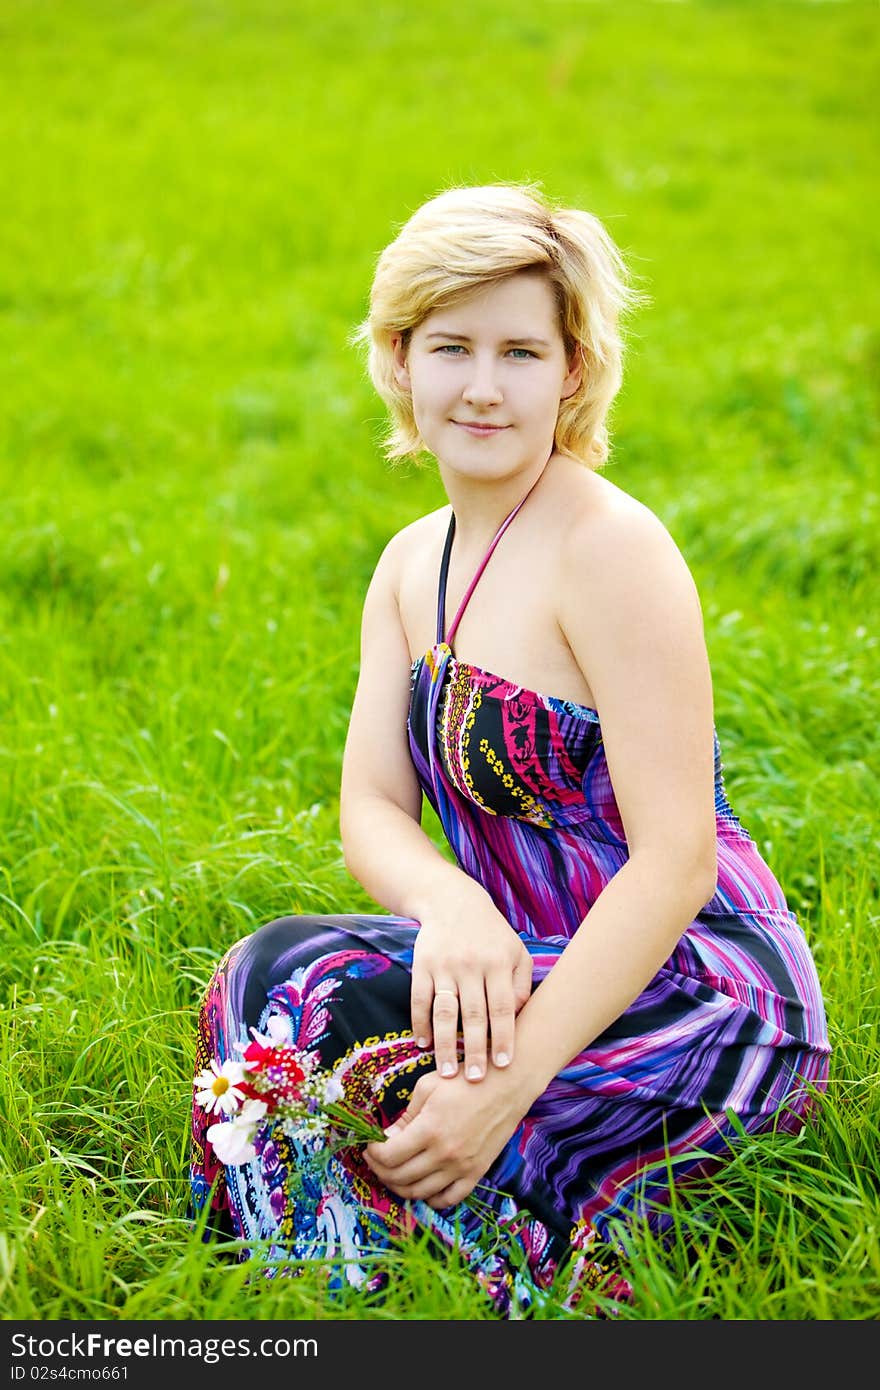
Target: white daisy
<point x="217" y="1087"/>
<point x="233" y="1139"/>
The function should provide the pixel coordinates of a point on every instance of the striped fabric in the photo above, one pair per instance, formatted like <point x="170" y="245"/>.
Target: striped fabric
<point x="729" y="1035"/>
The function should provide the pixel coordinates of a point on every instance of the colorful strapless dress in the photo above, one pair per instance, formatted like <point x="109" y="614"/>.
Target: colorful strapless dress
<point x="729" y="1036"/>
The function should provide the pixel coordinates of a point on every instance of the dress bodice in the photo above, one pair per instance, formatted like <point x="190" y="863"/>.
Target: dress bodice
<point x="509" y="750"/>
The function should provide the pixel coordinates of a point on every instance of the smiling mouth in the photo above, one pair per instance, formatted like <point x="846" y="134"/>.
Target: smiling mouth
<point x="483" y="429"/>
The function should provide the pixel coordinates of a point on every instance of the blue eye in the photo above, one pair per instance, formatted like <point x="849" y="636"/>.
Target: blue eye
<point x="453" y="347"/>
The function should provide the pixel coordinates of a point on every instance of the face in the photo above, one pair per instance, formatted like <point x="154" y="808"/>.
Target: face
<point x="495" y="359"/>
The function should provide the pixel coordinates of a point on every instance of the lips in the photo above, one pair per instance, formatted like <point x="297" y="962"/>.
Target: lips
<point x="479" y="428"/>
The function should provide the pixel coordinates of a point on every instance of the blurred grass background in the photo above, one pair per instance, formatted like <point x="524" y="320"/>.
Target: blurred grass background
<point x="194" y="196"/>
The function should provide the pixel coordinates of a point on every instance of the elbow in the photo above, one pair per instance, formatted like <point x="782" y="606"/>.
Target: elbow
<point x="346" y="857"/>
<point x="348" y="842"/>
<point x="346" y="837"/>
<point x="351" y="860"/>
<point x="694" y="874"/>
<point x="361" y="824"/>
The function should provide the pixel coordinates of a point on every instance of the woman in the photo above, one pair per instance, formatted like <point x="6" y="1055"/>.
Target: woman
<point x="606" y="970"/>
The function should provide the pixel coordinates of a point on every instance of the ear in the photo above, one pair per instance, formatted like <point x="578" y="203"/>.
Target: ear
<point x="398" y="362"/>
<point x="575" y="375"/>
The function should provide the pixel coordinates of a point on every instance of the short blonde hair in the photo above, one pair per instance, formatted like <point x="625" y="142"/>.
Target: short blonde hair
<point x="469" y="237"/>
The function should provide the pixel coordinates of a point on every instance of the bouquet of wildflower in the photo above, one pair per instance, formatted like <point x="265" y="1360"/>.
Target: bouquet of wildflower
<point x="276" y="1082"/>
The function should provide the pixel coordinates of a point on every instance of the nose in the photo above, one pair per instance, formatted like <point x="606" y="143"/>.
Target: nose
<point x="481" y="387"/>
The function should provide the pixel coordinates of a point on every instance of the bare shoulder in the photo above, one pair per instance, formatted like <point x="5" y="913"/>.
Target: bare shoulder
<point x="406" y="549"/>
<point x="615" y="549"/>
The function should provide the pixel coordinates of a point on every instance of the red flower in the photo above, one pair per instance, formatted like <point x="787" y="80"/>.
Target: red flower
<point x="251" y="1092"/>
<point x="277" y="1072"/>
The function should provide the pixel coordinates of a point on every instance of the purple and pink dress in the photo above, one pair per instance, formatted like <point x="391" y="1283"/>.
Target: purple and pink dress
<point x="730" y="1035"/>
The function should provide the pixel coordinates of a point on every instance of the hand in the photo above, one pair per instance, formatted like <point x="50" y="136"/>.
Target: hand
<point x="468" y="960"/>
<point x="448" y="1137"/>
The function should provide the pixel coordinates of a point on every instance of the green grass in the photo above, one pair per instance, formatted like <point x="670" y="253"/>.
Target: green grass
<point x="194" y="198"/>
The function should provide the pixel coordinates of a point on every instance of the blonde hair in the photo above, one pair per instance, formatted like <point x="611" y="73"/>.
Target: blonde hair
<point x="469" y="237"/>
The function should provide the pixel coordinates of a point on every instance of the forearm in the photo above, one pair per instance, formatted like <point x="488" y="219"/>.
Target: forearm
<point x="630" y="931"/>
<point x="396" y="862"/>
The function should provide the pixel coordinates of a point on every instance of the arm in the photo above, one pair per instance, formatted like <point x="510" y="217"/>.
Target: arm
<point x="467" y="958"/>
<point x="631" y="615"/>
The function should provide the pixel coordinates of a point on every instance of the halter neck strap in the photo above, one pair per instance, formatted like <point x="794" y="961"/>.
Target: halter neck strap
<point x="444" y="570"/>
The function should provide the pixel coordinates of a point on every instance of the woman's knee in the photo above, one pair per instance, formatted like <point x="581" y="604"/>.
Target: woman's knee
<point x="278" y="946"/>
<point x="283" y="933"/>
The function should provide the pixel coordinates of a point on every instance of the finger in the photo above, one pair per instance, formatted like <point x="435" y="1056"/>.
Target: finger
<point x="389" y="1157"/>
<point x="502" y="1018"/>
<point x="420" y="1191"/>
<point x="444" y="1014"/>
<point x="415" y="1171"/>
<point x="408" y="1159"/>
<point x="450" y="1196"/>
<point x="395" y="1129"/>
<point x="421" y="1000"/>
<point x="522" y="980"/>
<point x="386" y="1163"/>
<point x="474" y="1027"/>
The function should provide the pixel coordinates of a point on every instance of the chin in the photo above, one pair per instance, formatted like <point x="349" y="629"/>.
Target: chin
<point x="481" y="470"/>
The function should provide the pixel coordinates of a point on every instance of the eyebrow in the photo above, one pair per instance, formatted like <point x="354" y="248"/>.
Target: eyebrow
<point x="515" y="342"/>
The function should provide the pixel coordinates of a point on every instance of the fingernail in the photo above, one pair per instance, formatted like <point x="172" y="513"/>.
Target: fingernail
<point x="448" y="1069"/>
<point x="390" y="1131"/>
<point x="422" y="1042"/>
<point x="502" y="1060"/>
<point x="474" y="1073"/>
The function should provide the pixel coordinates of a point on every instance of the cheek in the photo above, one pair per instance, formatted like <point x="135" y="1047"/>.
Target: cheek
<point x="427" y="389"/>
<point x="425" y="417"/>
<point x="434" y="400"/>
<point x="551" y="398"/>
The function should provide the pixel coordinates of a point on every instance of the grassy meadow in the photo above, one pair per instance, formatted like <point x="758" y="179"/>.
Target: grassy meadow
<point x="194" y="495"/>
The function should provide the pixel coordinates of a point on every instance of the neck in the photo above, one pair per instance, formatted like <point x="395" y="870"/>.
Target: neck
<point x="481" y="505"/>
